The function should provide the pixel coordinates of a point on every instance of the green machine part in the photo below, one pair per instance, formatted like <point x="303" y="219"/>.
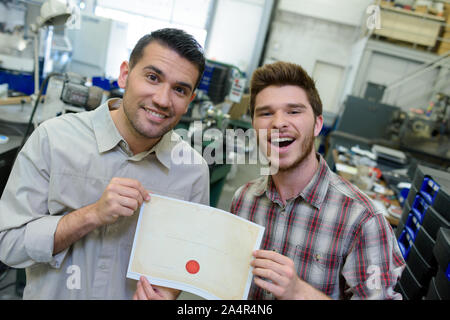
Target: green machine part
<point x="217" y="177"/>
<point x="217" y="172"/>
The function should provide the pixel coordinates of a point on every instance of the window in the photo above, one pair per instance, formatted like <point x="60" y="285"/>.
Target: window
<point x="144" y="16"/>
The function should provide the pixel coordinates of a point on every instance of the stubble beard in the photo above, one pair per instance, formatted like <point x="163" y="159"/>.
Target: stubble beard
<point x="139" y="129"/>
<point x="306" y="149"/>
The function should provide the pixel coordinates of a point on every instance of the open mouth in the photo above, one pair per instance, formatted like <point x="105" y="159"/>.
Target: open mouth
<point x="282" y="142"/>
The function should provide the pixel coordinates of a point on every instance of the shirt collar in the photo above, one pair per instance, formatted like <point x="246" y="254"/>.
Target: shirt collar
<point x="163" y="149"/>
<point x="105" y="130"/>
<point x="261" y="186"/>
<point x="314" y="193"/>
<point x="108" y="137"/>
<point x="316" y="190"/>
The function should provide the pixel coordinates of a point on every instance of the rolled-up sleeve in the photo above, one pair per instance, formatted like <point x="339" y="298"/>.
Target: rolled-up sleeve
<point x="26" y="228"/>
<point x="375" y="263"/>
<point x="39" y="239"/>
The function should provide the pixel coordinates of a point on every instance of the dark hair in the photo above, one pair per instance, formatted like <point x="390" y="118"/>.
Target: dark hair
<point x="280" y="74"/>
<point x="179" y="41"/>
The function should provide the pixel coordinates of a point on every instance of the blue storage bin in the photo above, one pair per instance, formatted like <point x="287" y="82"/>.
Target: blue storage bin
<point x="429" y="189"/>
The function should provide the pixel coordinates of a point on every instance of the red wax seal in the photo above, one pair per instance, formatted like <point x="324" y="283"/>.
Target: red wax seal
<point x="192" y="266"/>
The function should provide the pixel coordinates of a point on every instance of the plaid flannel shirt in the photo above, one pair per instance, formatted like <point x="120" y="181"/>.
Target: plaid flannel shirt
<point x="340" y="242"/>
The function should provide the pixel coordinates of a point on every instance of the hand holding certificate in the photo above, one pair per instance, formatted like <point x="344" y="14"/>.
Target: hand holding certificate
<point x="195" y="248"/>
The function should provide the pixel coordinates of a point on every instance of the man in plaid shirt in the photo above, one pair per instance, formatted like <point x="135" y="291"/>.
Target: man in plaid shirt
<point x="324" y="238"/>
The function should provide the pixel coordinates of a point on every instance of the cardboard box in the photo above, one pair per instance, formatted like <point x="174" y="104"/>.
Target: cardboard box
<point x="447" y="12"/>
<point x="446" y="7"/>
<point x="421" y="9"/>
<point x="387" y="3"/>
<point x="443" y="48"/>
<point x="447" y="27"/>
<point x="409" y="26"/>
<point x="447" y="17"/>
<point x="237" y="110"/>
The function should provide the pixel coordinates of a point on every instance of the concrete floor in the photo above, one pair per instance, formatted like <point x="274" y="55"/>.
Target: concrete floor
<point x="239" y="175"/>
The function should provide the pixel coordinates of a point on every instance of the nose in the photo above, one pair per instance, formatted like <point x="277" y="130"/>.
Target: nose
<point x="161" y="97"/>
<point x="279" y="121"/>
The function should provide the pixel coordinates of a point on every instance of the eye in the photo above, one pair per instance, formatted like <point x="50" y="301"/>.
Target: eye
<point x="152" y="77"/>
<point x="180" y="90"/>
<point x="262" y="113"/>
<point x="295" y="111"/>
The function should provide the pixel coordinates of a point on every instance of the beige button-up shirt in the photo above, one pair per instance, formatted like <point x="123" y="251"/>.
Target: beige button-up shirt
<point x="66" y="164"/>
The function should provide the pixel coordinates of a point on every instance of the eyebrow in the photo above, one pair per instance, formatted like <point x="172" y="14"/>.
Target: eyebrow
<point x="262" y="108"/>
<point x="161" y="73"/>
<point x="289" y="105"/>
<point x="297" y="105"/>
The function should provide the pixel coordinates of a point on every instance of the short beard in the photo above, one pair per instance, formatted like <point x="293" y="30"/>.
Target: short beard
<point x="306" y="150"/>
<point x="133" y="123"/>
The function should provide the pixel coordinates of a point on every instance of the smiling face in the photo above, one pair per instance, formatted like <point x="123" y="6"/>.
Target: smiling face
<point x="285" y="114"/>
<point x="158" y="90"/>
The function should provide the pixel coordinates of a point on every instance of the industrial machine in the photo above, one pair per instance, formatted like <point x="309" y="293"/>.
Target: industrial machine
<point x="423" y="134"/>
<point x="222" y="82"/>
<point x="206" y="116"/>
<point x="429" y="131"/>
<point x="64" y="93"/>
<point x="220" y="87"/>
<point x="32" y="51"/>
<point x="69" y="93"/>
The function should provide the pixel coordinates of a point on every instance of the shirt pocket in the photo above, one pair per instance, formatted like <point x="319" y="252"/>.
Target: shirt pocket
<point x="70" y="191"/>
<point x="320" y="269"/>
<point x="122" y="226"/>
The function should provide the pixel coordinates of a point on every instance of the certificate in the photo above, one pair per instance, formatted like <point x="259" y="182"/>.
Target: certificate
<point x="195" y="248"/>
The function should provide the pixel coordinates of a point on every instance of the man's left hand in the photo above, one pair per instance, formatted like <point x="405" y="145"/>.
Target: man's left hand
<point x="280" y="269"/>
<point x="284" y="282"/>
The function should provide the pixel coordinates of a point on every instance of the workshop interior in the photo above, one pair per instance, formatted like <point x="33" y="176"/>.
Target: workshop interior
<point x="382" y="69"/>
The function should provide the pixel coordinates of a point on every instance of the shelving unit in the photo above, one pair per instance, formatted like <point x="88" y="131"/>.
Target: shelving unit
<point x="409" y="26"/>
<point x="425" y="213"/>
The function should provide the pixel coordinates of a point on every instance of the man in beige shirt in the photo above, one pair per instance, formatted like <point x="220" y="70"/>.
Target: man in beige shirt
<point x="68" y="211"/>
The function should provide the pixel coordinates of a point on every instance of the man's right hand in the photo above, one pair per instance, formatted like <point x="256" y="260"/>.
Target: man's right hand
<point x="122" y="197"/>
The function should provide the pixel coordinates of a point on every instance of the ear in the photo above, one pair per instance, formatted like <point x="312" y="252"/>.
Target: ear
<point x="190" y="100"/>
<point x="318" y="125"/>
<point x="193" y="97"/>
<point x="124" y="70"/>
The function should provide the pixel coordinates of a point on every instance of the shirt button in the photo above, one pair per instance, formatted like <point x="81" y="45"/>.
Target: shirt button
<point x="103" y="266"/>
